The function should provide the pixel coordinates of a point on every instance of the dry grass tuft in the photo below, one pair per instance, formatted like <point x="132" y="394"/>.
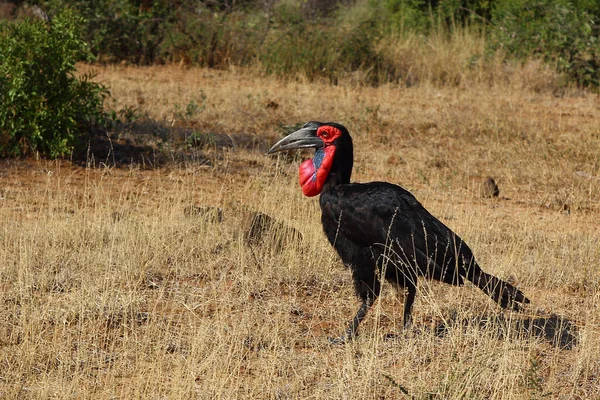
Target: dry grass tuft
<point x="112" y="288"/>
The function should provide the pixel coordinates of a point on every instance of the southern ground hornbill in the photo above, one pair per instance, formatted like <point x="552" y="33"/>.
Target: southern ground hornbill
<point x="381" y="230"/>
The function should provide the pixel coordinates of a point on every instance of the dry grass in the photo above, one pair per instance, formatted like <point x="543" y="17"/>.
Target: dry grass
<point x="109" y="290"/>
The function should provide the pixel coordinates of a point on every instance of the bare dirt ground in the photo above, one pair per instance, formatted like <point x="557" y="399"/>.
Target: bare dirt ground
<point x="126" y="282"/>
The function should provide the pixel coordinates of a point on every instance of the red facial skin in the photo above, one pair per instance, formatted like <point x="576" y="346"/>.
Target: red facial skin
<point x="313" y="172"/>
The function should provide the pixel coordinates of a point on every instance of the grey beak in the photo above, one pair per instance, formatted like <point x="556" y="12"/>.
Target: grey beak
<point x="303" y="138"/>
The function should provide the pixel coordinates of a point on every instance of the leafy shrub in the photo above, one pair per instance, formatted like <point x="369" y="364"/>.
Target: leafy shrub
<point x="299" y="47"/>
<point x="403" y="16"/>
<point x="329" y="47"/>
<point x="213" y="39"/>
<point x="369" y="40"/>
<point x="206" y="33"/>
<point x="118" y="30"/>
<point x="44" y="107"/>
<point x="561" y="32"/>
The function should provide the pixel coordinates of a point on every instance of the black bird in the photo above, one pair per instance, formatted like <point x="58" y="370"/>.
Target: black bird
<point x="380" y="230"/>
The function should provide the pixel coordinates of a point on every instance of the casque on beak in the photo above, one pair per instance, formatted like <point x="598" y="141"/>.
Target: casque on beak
<point x="305" y="137"/>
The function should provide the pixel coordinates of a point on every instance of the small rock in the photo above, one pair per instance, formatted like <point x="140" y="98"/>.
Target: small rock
<point x="489" y="188"/>
<point x="272" y="105"/>
<point x="262" y="228"/>
<point x="209" y="214"/>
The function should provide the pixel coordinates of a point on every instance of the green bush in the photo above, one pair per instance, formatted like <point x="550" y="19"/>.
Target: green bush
<point x="403" y="16"/>
<point x="213" y="39"/>
<point x="561" y="32"/>
<point x="300" y="46"/>
<point x="335" y="38"/>
<point x="44" y="107"/>
<point x="118" y="30"/>
<point x="329" y="47"/>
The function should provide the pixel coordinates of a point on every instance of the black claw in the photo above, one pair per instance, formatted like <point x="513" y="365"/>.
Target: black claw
<point x="392" y="336"/>
<point x="347" y="337"/>
<point x="338" y="341"/>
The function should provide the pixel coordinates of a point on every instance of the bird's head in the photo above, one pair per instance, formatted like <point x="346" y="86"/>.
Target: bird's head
<point x="333" y="157"/>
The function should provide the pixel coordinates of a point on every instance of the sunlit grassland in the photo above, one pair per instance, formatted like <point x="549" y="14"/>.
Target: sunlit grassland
<point x="109" y="290"/>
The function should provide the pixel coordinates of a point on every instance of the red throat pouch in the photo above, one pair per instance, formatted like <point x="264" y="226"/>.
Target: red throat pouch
<point x="313" y="172"/>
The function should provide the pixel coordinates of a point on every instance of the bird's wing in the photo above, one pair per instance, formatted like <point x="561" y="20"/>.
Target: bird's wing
<point x="387" y="215"/>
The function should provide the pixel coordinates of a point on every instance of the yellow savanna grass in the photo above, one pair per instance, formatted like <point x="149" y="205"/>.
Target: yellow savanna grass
<point x="110" y="290"/>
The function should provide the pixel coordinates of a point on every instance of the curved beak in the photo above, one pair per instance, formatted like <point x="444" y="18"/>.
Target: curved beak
<point x="303" y="138"/>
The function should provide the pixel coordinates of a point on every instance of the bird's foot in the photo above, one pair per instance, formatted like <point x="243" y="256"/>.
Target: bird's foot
<point x="338" y="340"/>
<point x="345" y="338"/>
<point x="407" y="332"/>
<point x="393" y="336"/>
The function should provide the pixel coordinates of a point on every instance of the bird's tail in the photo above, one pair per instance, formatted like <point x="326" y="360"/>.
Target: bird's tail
<point x="501" y="292"/>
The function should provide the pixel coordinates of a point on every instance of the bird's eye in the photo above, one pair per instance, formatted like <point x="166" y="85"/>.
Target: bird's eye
<point x="325" y="134"/>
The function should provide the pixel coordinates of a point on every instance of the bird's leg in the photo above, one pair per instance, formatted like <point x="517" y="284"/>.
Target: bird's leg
<point x="360" y="315"/>
<point x="408" y="303"/>
<point x="350" y="332"/>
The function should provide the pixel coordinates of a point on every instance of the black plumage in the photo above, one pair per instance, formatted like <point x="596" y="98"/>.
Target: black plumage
<point x="381" y="231"/>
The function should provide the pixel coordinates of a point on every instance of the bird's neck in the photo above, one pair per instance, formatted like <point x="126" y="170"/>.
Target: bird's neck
<point x="334" y="179"/>
<point x="340" y="172"/>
